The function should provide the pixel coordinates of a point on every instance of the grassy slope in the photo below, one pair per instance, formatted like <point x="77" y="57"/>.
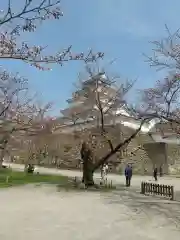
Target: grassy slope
<point x="19" y="178"/>
<point x="10" y="178"/>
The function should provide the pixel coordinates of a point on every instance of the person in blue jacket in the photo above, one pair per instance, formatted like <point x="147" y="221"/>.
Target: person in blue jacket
<point x="128" y="175"/>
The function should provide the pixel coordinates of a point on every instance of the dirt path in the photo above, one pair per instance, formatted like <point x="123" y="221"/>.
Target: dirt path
<point x="136" y="180"/>
<point x="43" y="213"/>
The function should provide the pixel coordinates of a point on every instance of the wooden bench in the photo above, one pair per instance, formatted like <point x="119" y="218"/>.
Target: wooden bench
<point x="157" y="189"/>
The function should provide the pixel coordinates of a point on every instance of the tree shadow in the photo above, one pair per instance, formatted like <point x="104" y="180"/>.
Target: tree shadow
<point x="151" y="206"/>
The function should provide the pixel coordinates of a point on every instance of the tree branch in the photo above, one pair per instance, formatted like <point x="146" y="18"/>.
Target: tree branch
<point x="118" y="146"/>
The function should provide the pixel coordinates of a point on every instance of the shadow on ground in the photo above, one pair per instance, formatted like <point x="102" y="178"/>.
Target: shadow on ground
<point x="151" y="206"/>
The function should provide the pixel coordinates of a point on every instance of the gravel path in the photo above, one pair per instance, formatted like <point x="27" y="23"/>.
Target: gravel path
<point x="43" y="213"/>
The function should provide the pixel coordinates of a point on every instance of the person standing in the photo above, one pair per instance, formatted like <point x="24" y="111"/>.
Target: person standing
<point x="106" y="168"/>
<point x="104" y="172"/>
<point x="155" y="173"/>
<point x="128" y="175"/>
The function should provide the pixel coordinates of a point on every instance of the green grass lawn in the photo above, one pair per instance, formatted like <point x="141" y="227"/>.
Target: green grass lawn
<point x="10" y="178"/>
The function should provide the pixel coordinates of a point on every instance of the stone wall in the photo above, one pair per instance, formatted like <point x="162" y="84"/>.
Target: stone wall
<point x="173" y="158"/>
<point x="158" y="155"/>
<point x="67" y="149"/>
<point x="141" y="162"/>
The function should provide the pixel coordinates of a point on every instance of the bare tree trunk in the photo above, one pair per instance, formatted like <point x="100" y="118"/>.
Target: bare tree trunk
<point x="115" y="150"/>
<point x="3" y="150"/>
<point x="4" y="142"/>
<point x="2" y="157"/>
<point x="88" y="172"/>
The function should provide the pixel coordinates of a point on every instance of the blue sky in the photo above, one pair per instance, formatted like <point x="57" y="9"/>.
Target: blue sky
<point x="121" y="29"/>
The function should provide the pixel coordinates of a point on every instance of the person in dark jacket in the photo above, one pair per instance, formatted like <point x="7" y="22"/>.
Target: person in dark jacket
<point x="128" y="175"/>
<point x="155" y="173"/>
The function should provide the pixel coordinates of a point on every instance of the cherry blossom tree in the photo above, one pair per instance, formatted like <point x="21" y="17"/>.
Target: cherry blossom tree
<point x="32" y="13"/>
<point x="163" y="100"/>
<point x="166" y="52"/>
<point x="20" y="117"/>
<point x="163" y="103"/>
<point x="102" y="102"/>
